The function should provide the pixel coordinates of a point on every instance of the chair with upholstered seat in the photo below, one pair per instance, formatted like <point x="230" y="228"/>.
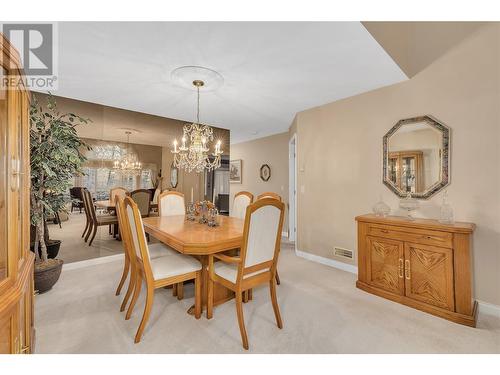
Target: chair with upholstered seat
<point x="76" y="198"/>
<point x="269" y="194"/>
<point x="143" y="198"/>
<point x="117" y="191"/>
<point x="88" y="217"/>
<point x="155" y="250"/>
<point x="256" y="263"/>
<point x="171" y="203"/>
<point x="156" y="272"/>
<point x="240" y="203"/>
<point x="96" y="220"/>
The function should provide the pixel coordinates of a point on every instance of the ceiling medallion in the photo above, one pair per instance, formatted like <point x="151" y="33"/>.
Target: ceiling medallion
<point x="185" y="75"/>
<point x="193" y="153"/>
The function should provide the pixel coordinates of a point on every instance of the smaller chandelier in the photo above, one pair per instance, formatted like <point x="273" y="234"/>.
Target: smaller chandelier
<point x="195" y="156"/>
<point x="128" y="164"/>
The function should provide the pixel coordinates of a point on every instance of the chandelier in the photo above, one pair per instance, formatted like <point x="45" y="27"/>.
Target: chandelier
<point x="195" y="156"/>
<point x="128" y="164"/>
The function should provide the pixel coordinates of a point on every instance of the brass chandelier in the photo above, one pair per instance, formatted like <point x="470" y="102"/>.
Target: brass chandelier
<point x="193" y="153"/>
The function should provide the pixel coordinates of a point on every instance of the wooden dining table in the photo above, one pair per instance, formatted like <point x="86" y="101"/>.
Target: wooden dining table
<point x="110" y="205"/>
<point x="199" y="240"/>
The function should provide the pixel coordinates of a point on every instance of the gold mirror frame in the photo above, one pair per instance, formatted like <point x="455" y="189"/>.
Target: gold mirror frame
<point x="445" y="157"/>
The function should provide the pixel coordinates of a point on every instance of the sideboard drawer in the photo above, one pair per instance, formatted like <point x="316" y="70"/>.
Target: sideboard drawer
<point x="422" y="236"/>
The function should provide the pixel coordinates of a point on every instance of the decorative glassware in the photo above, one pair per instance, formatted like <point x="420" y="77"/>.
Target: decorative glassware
<point x="212" y="217"/>
<point x="204" y="209"/>
<point x="409" y="204"/>
<point x="381" y="208"/>
<point x="447" y="216"/>
<point x="191" y="209"/>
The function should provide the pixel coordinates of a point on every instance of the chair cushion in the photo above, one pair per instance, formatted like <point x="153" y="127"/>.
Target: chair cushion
<point x="157" y="250"/>
<point x="173" y="265"/>
<point x="229" y="271"/>
<point x="107" y="219"/>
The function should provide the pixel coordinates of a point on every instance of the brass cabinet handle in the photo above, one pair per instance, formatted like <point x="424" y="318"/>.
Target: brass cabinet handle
<point x="407" y="269"/>
<point x="400" y="268"/>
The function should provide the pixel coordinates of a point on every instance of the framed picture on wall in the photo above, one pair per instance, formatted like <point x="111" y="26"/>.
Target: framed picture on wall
<point x="265" y="172"/>
<point x="235" y="171"/>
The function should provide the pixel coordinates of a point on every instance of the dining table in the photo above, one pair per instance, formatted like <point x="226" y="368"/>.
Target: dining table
<point x="199" y="240"/>
<point x="110" y="205"/>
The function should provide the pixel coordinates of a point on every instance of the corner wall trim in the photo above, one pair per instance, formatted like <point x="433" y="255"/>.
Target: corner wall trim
<point x="488" y="308"/>
<point x="91" y="262"/>
<point x="327" y="262"/>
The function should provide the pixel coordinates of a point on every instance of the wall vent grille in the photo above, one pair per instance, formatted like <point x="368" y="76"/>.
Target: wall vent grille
<point x="343" y="253"/>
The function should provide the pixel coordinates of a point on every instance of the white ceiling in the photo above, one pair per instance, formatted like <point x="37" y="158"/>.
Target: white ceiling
<point x="271" y="70"/>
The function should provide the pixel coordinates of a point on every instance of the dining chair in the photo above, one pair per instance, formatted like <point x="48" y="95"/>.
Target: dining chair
<point x="256" y="263"/>
<point x="97" y="220"/>
<point x="171" y="203"/>
<point x="143" y="199"/>
<point x="240" y="203"/>
<point x="156" y="195"/>
<point x="117" y="191"/>
<point x="270" y="194"/>
<point x="76" y="198"/>
<point x="155" y="251"/>
<point x="88" y="218"/>
<point x="156" y="272"/>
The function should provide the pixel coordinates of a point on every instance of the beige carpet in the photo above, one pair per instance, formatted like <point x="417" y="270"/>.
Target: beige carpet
<point x="322" y="312"/>
<point x="74" y="248"/>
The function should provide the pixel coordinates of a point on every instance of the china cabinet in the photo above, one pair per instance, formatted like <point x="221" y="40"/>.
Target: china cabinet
<point x="420" y="263"/>
<point x="16" y="261"/>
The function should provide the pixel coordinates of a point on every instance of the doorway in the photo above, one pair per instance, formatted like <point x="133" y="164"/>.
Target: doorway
<point x="292" y="193"/>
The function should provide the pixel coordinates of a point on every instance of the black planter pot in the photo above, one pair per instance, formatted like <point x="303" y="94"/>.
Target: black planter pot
<point x="47" y="274"/>
<point x="53" y="247"/>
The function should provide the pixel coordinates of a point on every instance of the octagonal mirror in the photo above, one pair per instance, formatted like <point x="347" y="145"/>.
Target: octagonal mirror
<point x="416" y="157"/>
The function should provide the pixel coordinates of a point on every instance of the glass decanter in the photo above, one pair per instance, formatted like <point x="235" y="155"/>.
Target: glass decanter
<point x="191" y="209"/>
<point x="381" y="208"/>
<point x="409" y="204"/>
<point x="212" y="217"/>
<point x="446" y="216"/>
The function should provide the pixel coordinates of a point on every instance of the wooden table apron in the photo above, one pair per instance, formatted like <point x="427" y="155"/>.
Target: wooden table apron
<point x="200" y="240"/>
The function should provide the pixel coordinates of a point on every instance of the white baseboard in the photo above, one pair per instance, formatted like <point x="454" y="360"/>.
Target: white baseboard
<point x="92" y="262"/>
<point x="328" y="262"/>
<point x="488" y="309"/>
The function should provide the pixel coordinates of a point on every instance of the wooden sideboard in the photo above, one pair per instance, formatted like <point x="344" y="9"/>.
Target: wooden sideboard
<point x="422" y="264"/>
<point x="16" y="259"/>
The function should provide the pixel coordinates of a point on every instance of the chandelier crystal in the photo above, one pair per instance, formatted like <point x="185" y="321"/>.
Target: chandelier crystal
<point x="128" y="164"/>
<point x="195" y="155"/>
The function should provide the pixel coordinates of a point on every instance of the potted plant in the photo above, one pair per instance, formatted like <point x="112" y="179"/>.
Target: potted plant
<point x="55" y="158"/>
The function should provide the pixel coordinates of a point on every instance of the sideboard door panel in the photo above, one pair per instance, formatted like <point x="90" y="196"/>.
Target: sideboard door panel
<point x="429" y="275"/>
<point x="385" y="261"/>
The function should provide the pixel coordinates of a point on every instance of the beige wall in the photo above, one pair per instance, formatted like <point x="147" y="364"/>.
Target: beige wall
<point x="340" y="154"/>
<point x="271" y="150"/>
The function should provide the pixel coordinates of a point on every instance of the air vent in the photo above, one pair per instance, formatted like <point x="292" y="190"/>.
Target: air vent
<point x="343" y="253"/>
